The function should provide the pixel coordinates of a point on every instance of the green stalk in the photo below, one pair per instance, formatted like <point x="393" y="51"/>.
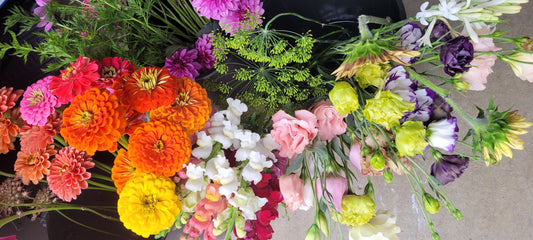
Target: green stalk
<point x="103" y="186"/>
<point x="11" y="218"/>
<point x="85" y="226"/>
<point x="231" y="223"/>
<point x="102" y="166"/>
<point x="102" y="177"/>
<point x="413" y="74"/>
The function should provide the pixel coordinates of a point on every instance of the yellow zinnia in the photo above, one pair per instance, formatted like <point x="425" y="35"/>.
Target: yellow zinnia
<point x="148" y="204"/>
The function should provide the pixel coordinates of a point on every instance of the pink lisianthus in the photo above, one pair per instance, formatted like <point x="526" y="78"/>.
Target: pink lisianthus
<point x="482" y="64"/>
<point x="74" y="80"/>
<point x="38" y="103"/>
<point x="336" y="188"/>
<point x="522" y="65"/>
<point x="330" y="124"/>
<point x="292" y="189"/>
<point x="293" y="133"/>
<point x="362" y="163"/>
<point x="246" y="17"/>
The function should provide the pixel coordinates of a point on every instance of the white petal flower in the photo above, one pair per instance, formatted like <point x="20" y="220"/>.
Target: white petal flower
<point x="247" y="202"/>
<point x="248" y="139"/>
<point x="235" y="110"/>
<point x="442" y="134"/>
<point x="214" y="164"/>
<point x="205" y="145"/>
<point x="196" y="181"/>
<point x="309" y="197"/>
<point x="380" y="227"/>
<point x="257" y="162"/>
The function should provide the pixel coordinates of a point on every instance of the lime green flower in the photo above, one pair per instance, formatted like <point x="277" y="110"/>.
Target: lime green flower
<point x="386" y="108"/>
<point x="344" y="98"/>
<point x="372" y="74"/>
<point x="431" y="204"/>
<point x="410" y="138"/>
<point x="356" y="210"/>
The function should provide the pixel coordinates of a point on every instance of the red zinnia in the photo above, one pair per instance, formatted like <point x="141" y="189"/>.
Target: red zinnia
<point x="110" y="69"/>
<point x="74" y="80"/>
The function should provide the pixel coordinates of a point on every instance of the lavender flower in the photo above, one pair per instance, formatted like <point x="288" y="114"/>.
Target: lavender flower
<point x="205" y="51"/>
<point x="442" y="134"/>
<point x="456" y="55"/>
<point x="246" y="17"/>
<point x="41" y="12"/>
<point x="183" y="63"/>
<point x="440" y="32"/>
<point x="449" y="167"/>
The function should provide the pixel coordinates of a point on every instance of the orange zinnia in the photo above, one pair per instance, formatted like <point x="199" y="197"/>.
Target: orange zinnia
<point x="190" y="109"/>
<point x="122" y="170"/>
<point x="33" y="166"/>
<point x="94" y="122"/>
<point x="159" y="147"/>
<point x="146" y="89"/>
<point x="8" y="132"/>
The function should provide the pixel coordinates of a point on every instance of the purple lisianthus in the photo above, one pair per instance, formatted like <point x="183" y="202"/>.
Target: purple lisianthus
<point x="449" y="167"/>
<point x="409" y="35"/>
<point x="183" y="63"/>
<point x="456" y="55"/>
<point x="443" y="134"/>
<point x="38" y="103"/>
<point x="41" y="12"/>
<point x="422" y="112"/>
<point x="440" y="32"/>
<point x="441" y="109"/>
<point x="398" y="82"/>
<point x="246" y="17"/>
<point x="205" y="51"/>
<point x="215" y="9"/>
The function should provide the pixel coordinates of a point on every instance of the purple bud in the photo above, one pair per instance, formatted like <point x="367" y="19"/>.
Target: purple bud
<point x="448" y="168"/>
<point x="456" y="55"/>
<point x="440" y="32"/>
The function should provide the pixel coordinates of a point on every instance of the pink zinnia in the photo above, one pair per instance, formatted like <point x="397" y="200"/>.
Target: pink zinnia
<point x="34" y="138"/>
<point x="68" y="173"/>
<point x="215" y="9"/>
<point x="246" y="17"/>
<point x="205" y="51"/>
<point x="33" y="166"/>
<point x="111" y="68"/>
<point x="74" y="80"/>
<point x="183" y="63"/>
<point x="38" y="103"/>
<point x="8" y="99"/>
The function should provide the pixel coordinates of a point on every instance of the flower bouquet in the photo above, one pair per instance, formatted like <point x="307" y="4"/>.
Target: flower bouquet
<point x="214" y="120"/>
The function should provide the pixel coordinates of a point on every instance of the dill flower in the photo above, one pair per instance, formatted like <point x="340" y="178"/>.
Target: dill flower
<point x="33" y="166"/>
<point x="94" y="121"/>
<point x="68" y="173"/>
<point x="344" y="98"/>
<point x="8" y="132"/>
<point x="372" y="75"/>
<point x="8" y="99"/>
<point x="410" y="138"/>
<point x="38" y="103"/>
<point x="74" y="80"/>
<point x="159" y="147"/>
<point x="122" y="170"/>
<point x="146" y="89"/>
<point x="386" y="108"/>
<point x="191" y="107"/>
<point x="148" y="204"/>
<point x="183" y="63"/>
<point x="356" y="210"/>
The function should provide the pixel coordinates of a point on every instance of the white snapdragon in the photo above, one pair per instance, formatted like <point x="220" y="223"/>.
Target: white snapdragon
<point x="257" y="162"/>
<point x="196" y="180"/>
<point x="247" y="143"/>
<point x="205" y="145"/>
<point x="218" y="169"/>
<point x="247" y="202"/>
<point x="235" y="110"/>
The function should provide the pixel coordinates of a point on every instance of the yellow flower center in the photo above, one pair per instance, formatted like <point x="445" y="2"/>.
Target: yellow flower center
<point x="147" y="82"/>
<point x="30" y="160"/>
<point x="148" y="202"/>
<point x="36" y="97"/>
<point x="109" y="72"/>
<point x="159" y="146"/>
<point x="184" y="99"/>
<point x="67" y="73"/>
<point x="86" y="117"/>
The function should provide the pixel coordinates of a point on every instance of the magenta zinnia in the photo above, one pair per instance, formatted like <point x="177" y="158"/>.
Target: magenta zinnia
<point x="68" y="173"/>
<point x="74" y="80"/>
<point x="38" y="103"/>
<point x="110" y="69"/>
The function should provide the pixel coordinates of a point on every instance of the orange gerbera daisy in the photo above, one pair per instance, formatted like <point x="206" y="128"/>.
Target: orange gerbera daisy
<point x="159" y="147"/>
<point x="146" y="89"/>
<point x="33" y="166"/>
<point x="122" y="170"/>
<point x="8" y="132"/>
<point x="190" y="109"/>
<point x="94" y="121"/>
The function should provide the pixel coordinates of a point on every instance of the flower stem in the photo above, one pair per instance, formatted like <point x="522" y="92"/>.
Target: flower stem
<point x="85" y="226"/>
<point x="364" y="20"/>
<point x="441" y="91"/>
<point x="103" y="186"/>
<point x="102" y="166"/>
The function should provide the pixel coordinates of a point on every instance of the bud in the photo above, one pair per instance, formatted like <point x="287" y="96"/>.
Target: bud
<point x="369" y="189"/>
<point x="387" y="174"/>
<point x="460" y="85"/>
<point x="431" y="204"/>
<point x="323" y="223"/>
<point x="240" y="225"/>
<point x="457" y="214"/>
<point x="527" y="43"/>
<point x="365" y="151"/>
<point x="377" y="161"/>
<point x="312" y="233"/>
<point x="435" y="236"/>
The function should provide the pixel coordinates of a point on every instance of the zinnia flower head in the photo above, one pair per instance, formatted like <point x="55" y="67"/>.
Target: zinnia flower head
<point x="146" y="89"/>
<point x="68" y="173"/>
<point x="183" y="63"/>
<point x="110" y="69"/>
<point x="159" y="147"/>
<point x="122" y="170"/>
<point x="74" y="80"/>
<point x="191" y="107"/>
<point x="344" y="98"/>
<point x="246" y="17"/>
<point x="8" y="132"/>
<point x="38" y="103"/>
<point x="35" y="137"/>
<point x="33" y="166"/>
<point x="386" y="108"/>
<point x="94" y="121"/>
<point x="148" y="204"/>
<point x="356" y="210"/>
<point x="410" y="138"/>
<point x="449" y="167"/>
<point x="205" y="51"/>
<point x="371" y="51"/>
<point x="8" y="98"/>
<point x="215" y="9"/>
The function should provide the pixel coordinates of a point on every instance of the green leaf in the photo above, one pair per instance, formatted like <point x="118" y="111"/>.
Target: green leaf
<point x="296" y="164"/>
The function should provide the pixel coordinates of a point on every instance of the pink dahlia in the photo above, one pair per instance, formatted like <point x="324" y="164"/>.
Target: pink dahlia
<point x="68" y="173"/>
<point x="205" y="51"/>
<point x="33" y="166"/>
<point x="38" y="103"/>
<point x="183" y="63"/>
<point x="111" y="68"/>
<point x="74" y="80"/>
<point x="34" y="138"/>
<point x="215" y="9"/>
<point x="8" y="99"/>
<point x="246" y="17"/>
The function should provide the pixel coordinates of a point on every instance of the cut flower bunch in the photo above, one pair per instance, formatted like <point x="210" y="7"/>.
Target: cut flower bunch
<point x="215" y="120"/>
